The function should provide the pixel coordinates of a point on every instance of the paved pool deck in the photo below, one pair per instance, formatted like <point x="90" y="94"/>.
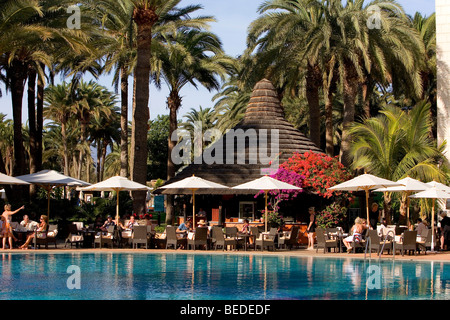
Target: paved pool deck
<point x="443" y="256"/>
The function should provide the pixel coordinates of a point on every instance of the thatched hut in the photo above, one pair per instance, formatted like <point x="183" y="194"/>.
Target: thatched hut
<point x="266" y="137"/>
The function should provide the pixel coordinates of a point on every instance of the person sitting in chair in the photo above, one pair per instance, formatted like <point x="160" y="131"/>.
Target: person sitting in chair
<point x="356" y="233"/>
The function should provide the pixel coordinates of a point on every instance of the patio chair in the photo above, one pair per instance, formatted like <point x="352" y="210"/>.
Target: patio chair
<point x="254" y="231"/>
<point x="74" y="236"/>
<point x="107" y="239"/>
<point x="291" y="240"/>
<point x="172" y="239"/>
<point x="409" y="242"/>
<point x="426" y="241"/>
<point x="232" y="232"/>
<point x="267" y="240"/>
<point x="323" y="242"/>
<point x="139" y="236"/>
<point x="212" y="236"/>
<point x="221" y="241"/>
<point x="46" y="237"/>
<point x="200" y="238"/>
<point x="359" y="244"/>
<point x="376" y="242"/>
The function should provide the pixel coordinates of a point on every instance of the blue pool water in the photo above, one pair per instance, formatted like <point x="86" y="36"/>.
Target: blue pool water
<point x="121" y="276"/>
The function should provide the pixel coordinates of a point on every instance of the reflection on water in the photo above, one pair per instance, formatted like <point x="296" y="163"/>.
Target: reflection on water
<point x="228" y="276"/>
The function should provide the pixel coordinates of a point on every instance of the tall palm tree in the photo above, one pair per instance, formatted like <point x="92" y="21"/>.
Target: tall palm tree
<point x="90" y="99"/>
<point x="188" y="56"/>
<point x="186" y="59"/>
<point x="332" y="44"/>
<point x="104" y="131"/>
<point x="120" y="56"/>
<point x="60" y="107"/>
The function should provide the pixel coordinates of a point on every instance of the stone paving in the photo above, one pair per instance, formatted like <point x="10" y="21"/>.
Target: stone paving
<point x="298" y="252"/>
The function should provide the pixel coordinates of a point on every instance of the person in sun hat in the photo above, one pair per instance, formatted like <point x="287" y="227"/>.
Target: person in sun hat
<point x="201" y="223"/>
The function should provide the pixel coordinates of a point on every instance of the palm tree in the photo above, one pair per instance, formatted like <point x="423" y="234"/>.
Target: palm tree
<point x="396" y="144"/>
<point x="277" y="36"/>
<point x="188" y="56"/>
<point x="31" y="30"/>
<point x="199" y="119"/>
<point x="59" y="107"/>
<point x="104" y="131"/>
<point x="186" y="60"/>
<point x="330" y="42"/>
<point x="120" y="55"/>
<point x="90" y="99"/>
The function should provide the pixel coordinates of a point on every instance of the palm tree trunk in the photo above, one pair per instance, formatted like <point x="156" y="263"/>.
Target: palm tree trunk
<point x="83" y="127"/>
<point x="32" y="120"/>
<point x="99" y="150"/>
<point x="32" y="125"/>
<point x="329" y="132"/>
<point x="18" y="76"/>
<point x="124" y="123"/>
<point x="102" y="160"/>
<point x="387" y="206"/>
<point x="39" y="120"/>
<point x="312" y="95"/>
<point x="145" y="17"/>
<point x="174" y="103"/>
<point x="349" y="93"/>
<point x="66" y="153"/>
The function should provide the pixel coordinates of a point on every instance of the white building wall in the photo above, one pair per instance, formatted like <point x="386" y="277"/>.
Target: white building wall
<point x="443" y="71"/>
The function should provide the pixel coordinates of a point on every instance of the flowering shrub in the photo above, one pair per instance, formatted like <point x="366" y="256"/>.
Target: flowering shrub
<point x="332" y="216"/>
<point x="319" y="172"/>
<point x="144" y="216"/>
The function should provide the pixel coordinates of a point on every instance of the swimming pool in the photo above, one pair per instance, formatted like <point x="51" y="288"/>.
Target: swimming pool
<point x="142" y="276"/>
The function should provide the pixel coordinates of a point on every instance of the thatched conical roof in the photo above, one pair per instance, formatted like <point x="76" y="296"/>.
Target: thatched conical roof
<point x="264" y="118"/>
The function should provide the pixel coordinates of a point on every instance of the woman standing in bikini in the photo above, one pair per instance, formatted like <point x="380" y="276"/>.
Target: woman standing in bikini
<point x="7" y="230"/>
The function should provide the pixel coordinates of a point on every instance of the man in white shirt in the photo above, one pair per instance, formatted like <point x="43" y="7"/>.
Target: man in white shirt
<point x="420" y="226"/>
<point x="27" y="223"/>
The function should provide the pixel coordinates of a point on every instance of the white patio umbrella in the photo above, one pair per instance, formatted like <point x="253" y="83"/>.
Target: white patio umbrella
<point x="266" y="184"/>
<point x="438" y="185"/>
<point x="116" y="184"/>
<point x="192" y="184"/>
<point x="48" y="179"/>
<point x="365" y="182"/>
<point x="409" y="185"/>
<point x="432" y="193"/>
<point x="5" y="179"/>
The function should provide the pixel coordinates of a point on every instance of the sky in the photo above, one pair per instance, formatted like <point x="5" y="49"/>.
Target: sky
<point x="232" y="20"/>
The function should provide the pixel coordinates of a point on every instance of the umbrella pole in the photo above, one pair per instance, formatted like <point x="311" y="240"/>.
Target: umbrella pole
<point x="265" y="218"/>
<point x="117" y="207"/>
<point x="407" y="209"/>
<point x="193" y="208"/>
<point x="432" y="228"/>
<point x="367" y="206"/>
<point x="48" y="204"/>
